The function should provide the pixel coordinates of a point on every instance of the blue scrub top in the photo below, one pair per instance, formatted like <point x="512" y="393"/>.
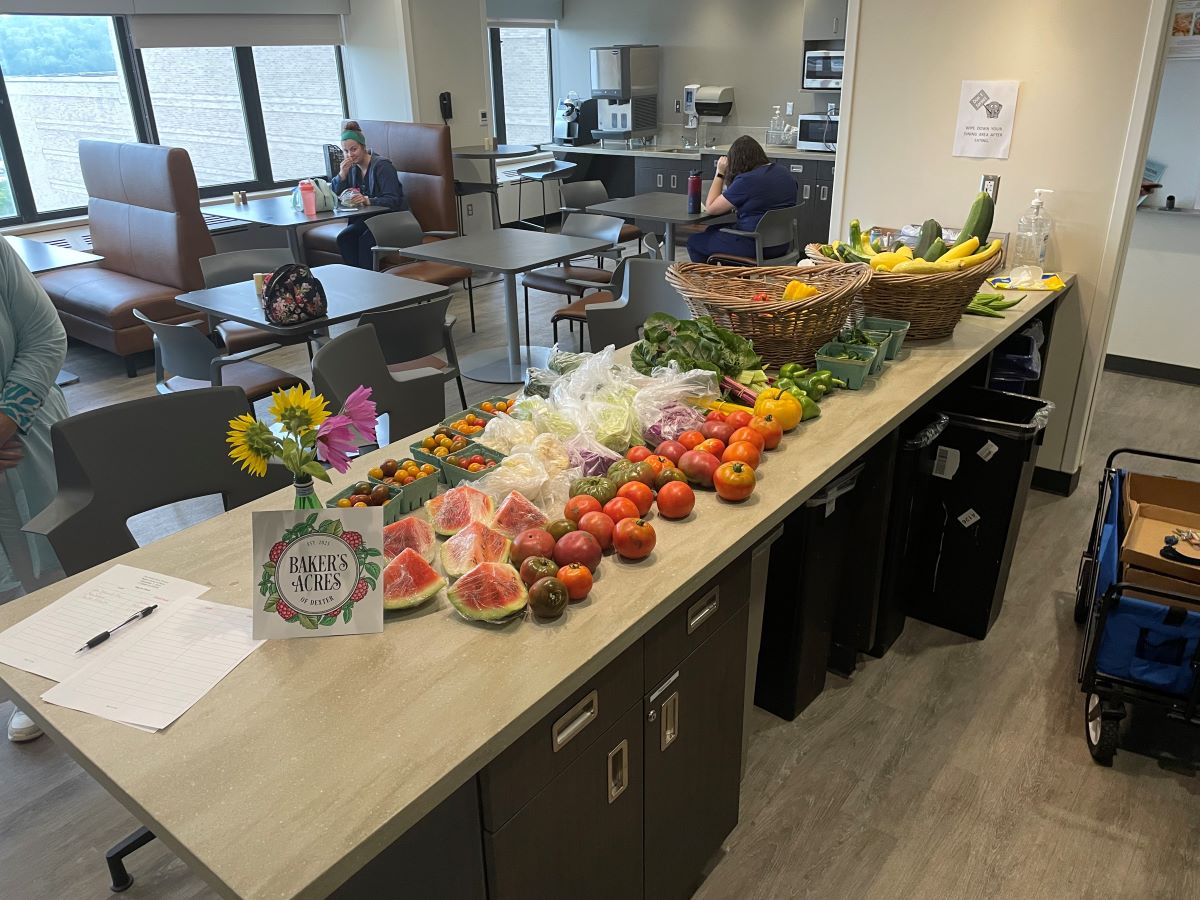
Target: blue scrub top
<point x="759" y="190"/>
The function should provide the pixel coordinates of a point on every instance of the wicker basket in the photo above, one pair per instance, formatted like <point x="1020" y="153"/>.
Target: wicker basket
<point x="932" y="303"/>
<point x="781" y="331"/>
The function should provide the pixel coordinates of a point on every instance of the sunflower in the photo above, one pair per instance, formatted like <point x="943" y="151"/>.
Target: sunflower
<point x="298" y="410"/>
<point x="252" y="444"/>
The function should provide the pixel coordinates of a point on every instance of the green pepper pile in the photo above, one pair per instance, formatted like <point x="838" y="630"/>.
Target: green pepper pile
<point x="807" y="387"/>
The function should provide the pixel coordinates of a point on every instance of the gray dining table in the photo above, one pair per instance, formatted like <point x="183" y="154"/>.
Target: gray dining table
<point x="658" y="206"/>
<point x="280" y="212"/>
<point x="508" y="251"/>
<point x="490" y="155"/>
<point x="349" y="292"/>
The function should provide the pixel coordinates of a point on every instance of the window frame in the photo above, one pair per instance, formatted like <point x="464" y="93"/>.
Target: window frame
<point x="496" y="64"/>
<point x="142" y="109"/>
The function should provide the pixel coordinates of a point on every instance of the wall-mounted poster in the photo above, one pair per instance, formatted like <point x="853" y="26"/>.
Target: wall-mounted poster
<point x="1185" y="29"/>
<point x="986" y="110"/>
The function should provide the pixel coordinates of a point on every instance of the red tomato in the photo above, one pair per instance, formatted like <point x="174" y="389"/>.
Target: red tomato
<point x="715" y="415"/>
<point x="658" y="463"/>
<point x="676" y="500"/>
<point x="769" y="428"/>
<point x="734" y="481"/>
<point x="699" y="467"/>
<point x="715" y="446"/>
<point x="579" y="505"/>
<point x="619" y="508"/>
<point x="637" y="454"/>
<point x="577" y="578"/>
<point x="599" y="526"/>
<point x="746" y="433"/>
<point x="689" y="439"/>
<point x="739" y="418"/>
<point x="672" y="450"/>
<point x="719" y="430"/>
<point x="741" y="451"/>
<point x="642" y="496"/>
<point x="633" y="538"/>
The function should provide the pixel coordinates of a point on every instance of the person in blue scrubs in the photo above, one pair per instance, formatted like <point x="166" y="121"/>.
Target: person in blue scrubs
<point x="750" y="184"/>
<point x="378" y="184"/>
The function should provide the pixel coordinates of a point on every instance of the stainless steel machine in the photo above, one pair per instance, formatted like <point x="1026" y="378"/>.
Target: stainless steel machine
<point x="575" y="120"/>
<point x="625" y="86"/>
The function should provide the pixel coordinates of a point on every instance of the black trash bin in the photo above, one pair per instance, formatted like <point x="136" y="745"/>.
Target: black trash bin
<point x="974" y="497"/>
<point x="807" y="569"/>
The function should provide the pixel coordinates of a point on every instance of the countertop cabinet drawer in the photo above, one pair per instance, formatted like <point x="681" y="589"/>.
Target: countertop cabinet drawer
<point x="691" y="623"/>
<point x="510" y="781"/>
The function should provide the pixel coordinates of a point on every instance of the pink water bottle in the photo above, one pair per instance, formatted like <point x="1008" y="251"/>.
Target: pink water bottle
<point x="693" y="188"/>
<point x="308" y="197"/>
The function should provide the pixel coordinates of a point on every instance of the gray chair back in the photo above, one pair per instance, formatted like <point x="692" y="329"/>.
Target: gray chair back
<point x="576" y="196"/>
<point x="180" y="349"/>
<point x="646" y="291"/>
<point x="240" y="265"/>
<point x="356" y="358"/>
<point x="778" y="226"/>
<point x="411" y="332"/>
<point x="396" y="229"/>
<point x="105" y="477"/>
<point x="605" y="228"/>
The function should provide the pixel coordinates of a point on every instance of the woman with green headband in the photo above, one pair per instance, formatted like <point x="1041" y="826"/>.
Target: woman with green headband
<point x="378" y="185"/>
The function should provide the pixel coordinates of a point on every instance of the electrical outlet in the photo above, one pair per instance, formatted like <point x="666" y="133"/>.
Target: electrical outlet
<point x="484" y="118"/>
<point x="791" y="107"/>
<point x="678" y="107"/>
<point x="990" y="185"/>
<point x="831" y="109"/>
<point x="470" y="209"/>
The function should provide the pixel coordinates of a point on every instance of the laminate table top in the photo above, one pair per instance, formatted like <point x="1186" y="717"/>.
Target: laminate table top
<point x="507" y="250"/>
<point x="279" y="211"/>
<point x="42" y="257"/>
<point x="658" y="206"/>
<point x="312" y="756"/>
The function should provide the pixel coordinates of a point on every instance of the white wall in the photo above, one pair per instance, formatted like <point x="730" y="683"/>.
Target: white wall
<point x="1085" y="85"/>
<point x="377" y="62"/>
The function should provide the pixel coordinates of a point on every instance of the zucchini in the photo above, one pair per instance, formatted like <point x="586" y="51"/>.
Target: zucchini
<point x="934" y="251"/>
<point x="979" y="220"/>
<point x="855" y="233"/>
<point x="930" y="231"/>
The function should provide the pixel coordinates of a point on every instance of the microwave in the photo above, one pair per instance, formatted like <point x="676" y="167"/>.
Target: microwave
<point x="823" y="70"/>
<point x="817" y="131"/>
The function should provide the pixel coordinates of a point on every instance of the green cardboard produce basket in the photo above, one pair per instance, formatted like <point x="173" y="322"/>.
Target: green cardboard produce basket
<point x="852" y="371"/>
<point x="404" y="499"/>
<point x="456" y="474"/>
<point x="898" y="328"/>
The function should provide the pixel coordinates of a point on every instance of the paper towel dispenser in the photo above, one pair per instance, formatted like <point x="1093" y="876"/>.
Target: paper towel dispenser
<point x="714" y="103"/>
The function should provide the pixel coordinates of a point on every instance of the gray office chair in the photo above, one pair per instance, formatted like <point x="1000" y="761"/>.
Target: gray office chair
<point x="412" y="337"/>
<point x="185" y="360"/>
<point x="652" y="244"/>
<point x="576" y="311"/>
<point x="577" y="196"/>
<point x="356" y="358"/>
<point x="563" y="279"/>
<point x="777" y="227"/>
<point x="104" y="479"/>
<point x="235" y="266"/>
<point x="396" y="230"/>
<point x="645" y="291"/>
<point x="554" y="170"/>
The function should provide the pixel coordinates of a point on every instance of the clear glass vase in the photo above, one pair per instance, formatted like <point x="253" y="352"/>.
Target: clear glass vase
<point x="306" y="497"/>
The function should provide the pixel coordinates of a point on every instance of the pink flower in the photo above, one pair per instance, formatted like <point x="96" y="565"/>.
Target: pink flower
<point x="335" y="441"/>
<point x="359" y="408"/>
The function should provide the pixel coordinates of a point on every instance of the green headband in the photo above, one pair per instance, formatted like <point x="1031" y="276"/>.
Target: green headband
<point x="358" y="136"/>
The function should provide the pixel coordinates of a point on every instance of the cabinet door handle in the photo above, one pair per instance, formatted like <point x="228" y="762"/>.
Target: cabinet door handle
<point x="836" y="22"/>
<point x="618" y="770"/>
<point x="574" y="720"/>
<point x="797" y="168"/>
<point x="807" y="191"/>
<point x="669" y="728"/>
<point x="660" y="179"/>
<point x="702" y="609"/>
<point x="824" y="192"/>
<point x="674" y="181"/>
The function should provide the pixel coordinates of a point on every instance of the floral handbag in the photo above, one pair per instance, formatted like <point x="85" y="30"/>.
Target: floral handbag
<point x="294" y="295"/>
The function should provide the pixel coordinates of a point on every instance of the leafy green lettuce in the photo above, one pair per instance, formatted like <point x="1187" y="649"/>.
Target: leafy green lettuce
<point x="692" y="344"/>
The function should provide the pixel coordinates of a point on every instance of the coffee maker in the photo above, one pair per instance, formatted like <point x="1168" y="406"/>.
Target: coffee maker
<point x="574" y="121"/>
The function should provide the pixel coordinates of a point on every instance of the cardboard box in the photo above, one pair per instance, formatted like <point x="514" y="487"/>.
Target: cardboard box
<point x="1157" y="490"/>
<point x="1144" y="539"/>
<point x="1145" y="578"/>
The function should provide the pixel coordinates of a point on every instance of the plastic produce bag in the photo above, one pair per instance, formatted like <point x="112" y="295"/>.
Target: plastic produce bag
<point x="525" y="473"/>
<point x="545" y="418"/>
<point x="598" y="398"/>
<point x="661" y="405"/>
<point x="505" y="432"/>
<point x="590" y="457"/>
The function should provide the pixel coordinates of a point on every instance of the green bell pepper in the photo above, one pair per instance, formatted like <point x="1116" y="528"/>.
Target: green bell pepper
<point x="808" y="407"/>
<point x="792" y="371"/>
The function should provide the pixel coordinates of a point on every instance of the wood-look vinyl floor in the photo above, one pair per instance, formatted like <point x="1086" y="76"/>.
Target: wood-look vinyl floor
<point x="949" y="769"/>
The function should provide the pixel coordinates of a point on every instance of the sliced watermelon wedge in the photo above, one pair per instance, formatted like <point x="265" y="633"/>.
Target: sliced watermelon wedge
<point x="452" y="511"/>
<point x="409" y="581"/>
<point x="474" y="544"/>
<point x="411" y="531"/>
<point x="517" y="514"/>
<point x="489" y="592"/>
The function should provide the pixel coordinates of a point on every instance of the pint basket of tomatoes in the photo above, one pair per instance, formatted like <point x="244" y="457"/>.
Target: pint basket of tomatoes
<point x="398" y="495"/>
<point x="435" y="447"/>
<point x="495" y="405"/>
<point x="469" y="422"/>
<point x="470" y="464"/>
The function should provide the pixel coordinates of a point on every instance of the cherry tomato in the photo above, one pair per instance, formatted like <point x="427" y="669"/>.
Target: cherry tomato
<point x="672" y="450"/>
<point x="619" y="508"/>
<point x="739" y="418"/>
<point x="769" y="428"/>
<point x="642" y="496"/>
<point x="742" y="451"/>
<point x="578" y="579"/>
<point x="633" y="538"/>
<point x="676" y="500"/>
<point x="637" y="454"/>
<point x="714" y="446"/>
<point x="599" y="526"/>
<point x="715" y="415"/>
<point x="690" y="439"/>
<point x="734" y="481"/>
<point x="745" y="433"/>
<point x="580" y="504"/>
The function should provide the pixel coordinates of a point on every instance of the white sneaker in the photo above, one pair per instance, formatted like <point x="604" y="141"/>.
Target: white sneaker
<point x="21" y="728"/>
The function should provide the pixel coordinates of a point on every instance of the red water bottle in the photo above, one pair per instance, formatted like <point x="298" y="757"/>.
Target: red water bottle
<point x="308" y="197"/>
<point x="693" y="189"/>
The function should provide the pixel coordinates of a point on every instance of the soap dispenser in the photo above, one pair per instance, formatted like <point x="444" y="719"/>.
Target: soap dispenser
<point x="1033" y="233"/>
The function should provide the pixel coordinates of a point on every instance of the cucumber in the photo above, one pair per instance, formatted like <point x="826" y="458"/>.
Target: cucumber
<point x="934" y="250"/>
<point x="979" y="220"/>
<point x="930" y="231"/>
<point x="855" y="233"/>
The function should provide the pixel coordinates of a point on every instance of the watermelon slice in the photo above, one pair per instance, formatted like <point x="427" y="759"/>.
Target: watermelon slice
<point x="474" y="544"/>
<point x="411" y="531"/>
<point x="409" y="581"/>
<point x="516" y="514"/>
<point x="454" y="510"/>
<point x="490" y="591"/>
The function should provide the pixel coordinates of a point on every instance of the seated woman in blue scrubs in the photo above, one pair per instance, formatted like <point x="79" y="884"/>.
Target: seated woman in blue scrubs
<point x="378" y="184"/>
<point x="750" y="184"/>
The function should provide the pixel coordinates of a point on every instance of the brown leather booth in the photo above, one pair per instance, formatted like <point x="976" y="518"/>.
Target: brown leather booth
<point x="144" y="216"/>
<point x="422" y="157"/>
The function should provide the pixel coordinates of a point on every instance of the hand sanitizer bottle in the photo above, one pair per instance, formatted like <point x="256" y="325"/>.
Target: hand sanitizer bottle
<point x="1033" y="233"/>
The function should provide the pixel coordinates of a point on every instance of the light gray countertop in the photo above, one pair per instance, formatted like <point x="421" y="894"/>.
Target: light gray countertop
<point x="668" y="152"/>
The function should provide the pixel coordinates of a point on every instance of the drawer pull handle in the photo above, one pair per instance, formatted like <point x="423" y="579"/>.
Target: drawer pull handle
<point x="702" y="609"/>
<point x="670" y="722"/>
<point x="575" y="719"/>
<point x="618" y="770"/>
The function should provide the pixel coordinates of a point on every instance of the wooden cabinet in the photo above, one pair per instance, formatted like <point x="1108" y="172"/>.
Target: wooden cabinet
<point x="824" y="20"/>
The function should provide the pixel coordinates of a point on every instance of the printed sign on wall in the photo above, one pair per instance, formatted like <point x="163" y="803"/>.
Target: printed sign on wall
<point x="986" y="110"/>
<point x="317" y="572"/>
<point x="1185" y="29"/>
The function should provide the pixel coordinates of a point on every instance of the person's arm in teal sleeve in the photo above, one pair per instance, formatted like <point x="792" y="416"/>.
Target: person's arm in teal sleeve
<point x="41" y="344"/>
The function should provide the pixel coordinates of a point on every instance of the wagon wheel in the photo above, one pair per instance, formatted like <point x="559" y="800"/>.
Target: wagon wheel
<point x="1101" y="724"/>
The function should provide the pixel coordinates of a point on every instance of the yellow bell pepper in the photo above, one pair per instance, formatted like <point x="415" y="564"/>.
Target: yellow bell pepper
<point x="798" y="290"/>
<point x="779" y="403"/>
<point x="967" y="261"/>
<point x="962" y="250"/>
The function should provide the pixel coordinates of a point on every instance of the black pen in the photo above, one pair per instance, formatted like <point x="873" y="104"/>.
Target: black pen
<point x="105" y="635"/>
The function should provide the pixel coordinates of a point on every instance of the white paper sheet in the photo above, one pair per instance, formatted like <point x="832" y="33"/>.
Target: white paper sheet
<point x="160" y="674"/>
<point x="46" y="642"/>
<point x="986" y="111"/>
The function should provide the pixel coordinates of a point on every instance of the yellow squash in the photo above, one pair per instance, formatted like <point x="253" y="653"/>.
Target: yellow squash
<point x="924" y="267"/>
<point x="887" y="260"/>
<point x="906" y="252"/>
<point x="960" y="251"/>
<point x="864" y="245"/>
<point x="967" y="261"/>
<point x="780" y="404"/>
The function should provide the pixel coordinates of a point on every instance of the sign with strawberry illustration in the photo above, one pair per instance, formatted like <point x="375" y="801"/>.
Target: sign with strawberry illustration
<point x="317" y="572"/>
